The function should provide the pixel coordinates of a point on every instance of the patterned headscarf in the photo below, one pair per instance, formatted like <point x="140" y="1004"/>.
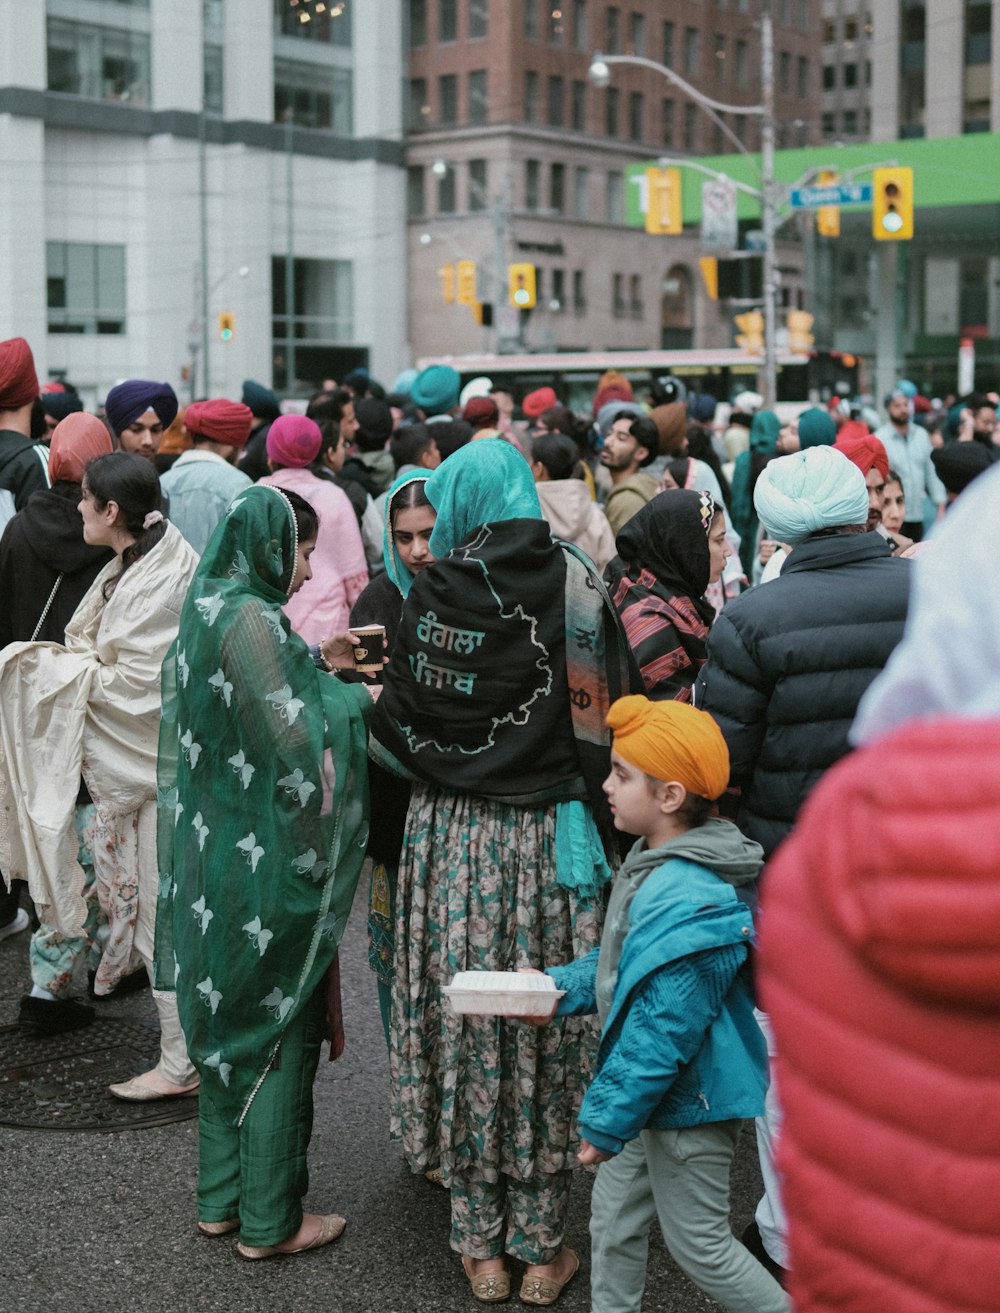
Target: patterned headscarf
<point x="669" y="536"/>
<point x="481" y="483"/>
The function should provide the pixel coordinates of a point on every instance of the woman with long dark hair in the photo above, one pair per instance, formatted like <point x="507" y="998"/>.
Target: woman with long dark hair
<point x="91" y="708"/>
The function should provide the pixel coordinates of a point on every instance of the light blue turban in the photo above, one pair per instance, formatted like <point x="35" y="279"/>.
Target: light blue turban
<point x="810" y="490"/>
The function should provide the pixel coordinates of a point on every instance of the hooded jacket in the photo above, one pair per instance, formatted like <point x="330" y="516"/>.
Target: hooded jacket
<point x="40" y="543"/>
<point x="763" y="447"/>
<point x="23" y="470"/>
<point x="679" y="1046"/>
<point x="880" y="970"/>
<point x="574" y="516"/>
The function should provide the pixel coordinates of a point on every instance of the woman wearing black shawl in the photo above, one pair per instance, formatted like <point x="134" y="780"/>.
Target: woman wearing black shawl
<point x="668" y="554"/>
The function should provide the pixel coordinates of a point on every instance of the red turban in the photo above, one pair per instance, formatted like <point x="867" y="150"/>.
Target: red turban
<point x="18" y="380"/>
<point x="76" y="441"/>
<point x="219" y="420"/>
<point x="867" y="452"/>
<point x="481" y="412"/>
<point x="535" y="402"/>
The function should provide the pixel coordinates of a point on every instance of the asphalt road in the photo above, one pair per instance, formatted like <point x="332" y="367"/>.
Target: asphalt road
<point x="94" y="1222"/>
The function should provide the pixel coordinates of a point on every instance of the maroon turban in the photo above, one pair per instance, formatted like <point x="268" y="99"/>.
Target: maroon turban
<point x="535" y="402"/>
<point x="219" y="420"/>
<point x="867" y="453"/>
<point x="293" y="441"/>
<point x="481" y="412"/>
<point x="18" y="380"/>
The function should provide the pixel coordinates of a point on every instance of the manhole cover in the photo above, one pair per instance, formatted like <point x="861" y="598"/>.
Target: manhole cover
<point x="61" y="1083"/>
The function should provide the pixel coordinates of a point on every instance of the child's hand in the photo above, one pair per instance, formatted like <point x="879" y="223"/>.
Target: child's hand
<point x="536" y="1020"/>
<point x="588" y="1156"/>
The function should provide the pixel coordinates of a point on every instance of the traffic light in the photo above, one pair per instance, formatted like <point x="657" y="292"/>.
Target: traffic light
<point x="447" y="275"/>
<point x="709" y="266"/>
<point x="892" y="204"/>
<point x="521" y="285"/>
<point x="663" y="201"/>
<point x="466" y="282"/>
<point x="227" y="327"/>
<point x="828" y="216"/>
<point x="800" y="338"/>
<point x="751" y="335"/>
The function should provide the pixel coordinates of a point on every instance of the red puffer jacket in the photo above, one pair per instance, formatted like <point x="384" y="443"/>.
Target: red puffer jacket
<point x="881" y="973"/>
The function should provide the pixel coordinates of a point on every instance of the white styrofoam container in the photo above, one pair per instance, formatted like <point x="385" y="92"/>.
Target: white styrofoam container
<point x="502" y="994"/>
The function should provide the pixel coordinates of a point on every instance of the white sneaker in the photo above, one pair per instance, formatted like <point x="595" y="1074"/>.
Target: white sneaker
<point x="20" y="922"/>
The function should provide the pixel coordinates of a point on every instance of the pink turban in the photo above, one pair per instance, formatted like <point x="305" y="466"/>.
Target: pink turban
<point x="293" y="441"/>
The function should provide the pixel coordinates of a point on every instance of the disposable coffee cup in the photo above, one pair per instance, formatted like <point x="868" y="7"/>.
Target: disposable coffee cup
<point x="369" y="650"/>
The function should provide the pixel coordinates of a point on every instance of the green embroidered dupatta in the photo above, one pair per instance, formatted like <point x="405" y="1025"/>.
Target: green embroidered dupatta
<point x="262" y="806"/>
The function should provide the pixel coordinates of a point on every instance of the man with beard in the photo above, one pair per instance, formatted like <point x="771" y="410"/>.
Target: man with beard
<point x="633" y="442"/>
<point x="138" y="411"/>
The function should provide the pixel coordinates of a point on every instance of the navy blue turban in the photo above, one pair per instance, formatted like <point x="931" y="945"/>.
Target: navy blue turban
<point x="126" y="402"/>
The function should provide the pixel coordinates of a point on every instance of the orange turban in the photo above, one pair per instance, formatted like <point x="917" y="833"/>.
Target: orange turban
<point x="671" y="741"/>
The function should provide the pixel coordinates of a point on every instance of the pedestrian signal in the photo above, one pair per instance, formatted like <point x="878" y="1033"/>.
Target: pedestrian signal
<point x="751" y="334"/>
<point x="800" y="338"/>
<point x="521" y="285"/>
<point x="227" y="327"/>
<point x="447" y="275"/>
<point x="892" y="204"/>
<point x="663" y="201"/>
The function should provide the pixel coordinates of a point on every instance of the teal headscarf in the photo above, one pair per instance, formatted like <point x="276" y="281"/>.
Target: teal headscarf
<point x="816" y="429"/>
<point x="810" y="490"/>
<point x="484" y="481"/>
<point x="764" y="433"/>
<point x="394" y="567"/>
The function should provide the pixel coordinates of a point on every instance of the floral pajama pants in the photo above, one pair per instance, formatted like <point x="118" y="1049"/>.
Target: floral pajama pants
<point x="525" y="1219"/>
<point x="53" y="956"/>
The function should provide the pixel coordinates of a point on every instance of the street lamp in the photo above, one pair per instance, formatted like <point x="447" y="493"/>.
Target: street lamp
<point x="600" y="75"/>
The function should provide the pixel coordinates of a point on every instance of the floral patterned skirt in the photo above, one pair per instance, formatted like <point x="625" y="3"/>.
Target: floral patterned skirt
<point x="477" y="891"/>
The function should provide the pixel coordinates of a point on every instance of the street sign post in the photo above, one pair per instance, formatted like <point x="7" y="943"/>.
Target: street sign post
<point x="844" y="193"/>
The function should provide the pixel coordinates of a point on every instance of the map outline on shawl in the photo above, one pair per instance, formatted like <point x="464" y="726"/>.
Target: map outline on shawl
<point x="467" y="553"/>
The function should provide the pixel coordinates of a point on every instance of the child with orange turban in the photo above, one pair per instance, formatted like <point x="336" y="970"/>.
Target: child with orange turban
<point x="681" y="1061"/>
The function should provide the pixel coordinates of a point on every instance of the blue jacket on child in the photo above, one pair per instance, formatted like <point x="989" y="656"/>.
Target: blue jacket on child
<point x="679" y="1045"/>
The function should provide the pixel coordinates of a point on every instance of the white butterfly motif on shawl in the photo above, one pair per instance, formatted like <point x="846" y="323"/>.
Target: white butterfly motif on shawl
<point x="308" y="863"/>
<point x="278" y="1003"/>
<point x="285" y="705"/>
<point x="203" y="915"/>
<point x="209" y="993"/>
<point x="249" y="846"/>
<point x="273" y="617"/>
<point x="192" y="750"/>
<point x="259" y="937"/>
<point x="177" y="969"/>
<point x="165" y="885"/>
<point x="224" y="1069"/>
<point x="296" y="785"/>
<point x="201" y="830"/>
<point x="240" y="568"/>
<point x="210" y="608"/>
<point x="222" y="686"/>
<point x="183" y="669"/>
<point x="242" y="768"/>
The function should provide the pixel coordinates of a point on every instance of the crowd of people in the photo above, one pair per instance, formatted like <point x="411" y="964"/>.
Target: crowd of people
<point x="629" y="655"/>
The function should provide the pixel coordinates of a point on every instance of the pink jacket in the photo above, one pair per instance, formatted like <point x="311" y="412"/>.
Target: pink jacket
<point x="340" y="573"/>
<point x="881" y="974"/>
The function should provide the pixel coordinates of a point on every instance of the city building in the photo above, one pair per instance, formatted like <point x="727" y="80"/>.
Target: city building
<point x="515" y="156"/>
<point x="170" y="162"/>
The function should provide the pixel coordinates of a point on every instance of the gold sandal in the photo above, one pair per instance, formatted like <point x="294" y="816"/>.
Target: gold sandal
<point x="488" y="1287"/>
<point x="219" y="1228"/>
<point x="546" y="1290"/>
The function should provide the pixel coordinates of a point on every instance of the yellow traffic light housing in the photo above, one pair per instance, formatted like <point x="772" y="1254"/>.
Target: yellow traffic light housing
<point x="709" y="266"/>
<point x="751" y="334"/>
<point x="521" y="285"/>
<point x="828" y="216"/>
<point x="663" y="201"/>
<point x="227" y="327"/>
<point x="447" y="275"/>
<point x="892" y="204"/>
<point x="466" y="282"/>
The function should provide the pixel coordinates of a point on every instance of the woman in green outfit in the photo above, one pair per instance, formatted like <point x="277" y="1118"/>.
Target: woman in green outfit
<point x="263" y="804"/>
<point x="507" y="653"/>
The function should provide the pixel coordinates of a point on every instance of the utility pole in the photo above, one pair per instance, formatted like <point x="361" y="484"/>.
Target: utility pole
<point x="203" y="238"/>
<point x="290" y="251"/>
<point x="768" y="204"/>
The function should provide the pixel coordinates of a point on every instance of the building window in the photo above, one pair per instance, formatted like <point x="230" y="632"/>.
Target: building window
<point x="580" y="26"/>
<point x="332" y="25"/>
<point x="692" y="51"/>
<point x="614" y="199"/>
<point x="668" y="44"/>
<point x="742" y="66"/>
<point x="531" y="19"/>
<point x="479" y="196"/>
<point x="803" y="77"/>
<point x="851" y="28"/>
<point x="690" y="121"/>
<point x="558" y="301"/>
<point x="447" y="20"/>
<point x="447" y="199"/>
<point x="323" y="315"/>
<point x="101" y="63"/>
<point x="829" y="77"/>
<point x="212" y="79"/>
<point x="829" y="31"/>
<point x="850" y="123"/>
<point x="479" y="109"/>
<point x="720" y="57"/>
<point x="850" y="75"/>
<point x="635" y="116"/>
<point x="419" y="106"/>
<point x="557" y="187"/>
<point x="618" y="306"/>
<point x="667" y="114"/>
<point x="611" y="103"/>
<point x="868" y="72"/>
<point x="612" y="31"/>
<point x="581" y="193"/>
<point x="539" y="283"/>
<point x="86" y="287"/>
<point x="415" y="192"/>
<point x="578" y="107"/>
<point x="532" y="185"/>
<point x="635" y="296"/>
<point x="785" y="72"/>
<point x="531" y="97"/>
<point x="479" y="18"/>
<point x="313" y="96"/>
<point x="579" y="291"/>
<point x="803" y="15"/>
<point x="418" y="23"/>
<point x="636" y="35"/>
<point x="785" y="13"/>
<point x="448" y="99"/>
<point x="978" y="45"/>
<point x="557" y="97"/>
<point x="740" y="127"/>
<point x="829" y="125"/>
